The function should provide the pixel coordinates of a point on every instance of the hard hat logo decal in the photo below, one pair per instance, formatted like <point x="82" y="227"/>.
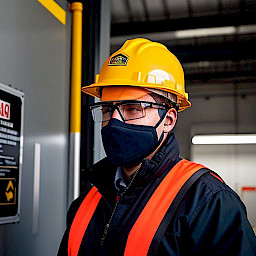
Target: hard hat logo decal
<point x="118" y="60"/>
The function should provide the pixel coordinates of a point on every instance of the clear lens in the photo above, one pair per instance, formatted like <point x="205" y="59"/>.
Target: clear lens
<point x="132" y="111"/>
<point x="101" y="113"/>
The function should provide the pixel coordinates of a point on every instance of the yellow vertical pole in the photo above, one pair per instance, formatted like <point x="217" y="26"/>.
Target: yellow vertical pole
<point x="75" y="111"/>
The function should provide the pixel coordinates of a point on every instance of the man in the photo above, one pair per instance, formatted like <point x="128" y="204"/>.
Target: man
<point x="144" y="199"/>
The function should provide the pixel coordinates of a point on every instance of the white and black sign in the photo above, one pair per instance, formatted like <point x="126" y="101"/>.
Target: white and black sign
<point x="11" y="134"/>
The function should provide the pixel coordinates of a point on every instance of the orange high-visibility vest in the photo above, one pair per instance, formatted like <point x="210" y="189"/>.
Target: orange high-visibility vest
<point x="145" y="227"/>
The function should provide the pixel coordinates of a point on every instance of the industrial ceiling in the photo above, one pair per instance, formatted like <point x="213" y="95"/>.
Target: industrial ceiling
<point x="214" y="39"/>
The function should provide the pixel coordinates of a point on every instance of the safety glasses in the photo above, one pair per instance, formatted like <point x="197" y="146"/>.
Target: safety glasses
<point x="128" y="110"/>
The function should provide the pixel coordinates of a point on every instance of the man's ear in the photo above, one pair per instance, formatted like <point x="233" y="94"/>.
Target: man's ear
<point x="170" y="120"/>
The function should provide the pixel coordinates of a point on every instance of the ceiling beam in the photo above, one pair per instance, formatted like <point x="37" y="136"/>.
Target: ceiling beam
<point x="211" y="48"/>
<point x="142" y="27"/>
<point x="204" y="76"/>
<point x="234" y="50"/>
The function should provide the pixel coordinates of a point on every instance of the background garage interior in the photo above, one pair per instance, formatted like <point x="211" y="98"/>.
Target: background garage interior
<point x="213" y="39"/>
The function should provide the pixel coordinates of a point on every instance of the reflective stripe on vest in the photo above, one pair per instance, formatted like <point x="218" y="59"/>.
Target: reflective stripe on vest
<point x="81" y="221"/>
<point x="145" y="227"/>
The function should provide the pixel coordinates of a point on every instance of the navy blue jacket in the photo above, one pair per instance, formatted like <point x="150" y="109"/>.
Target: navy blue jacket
<point x="211" y="220"/>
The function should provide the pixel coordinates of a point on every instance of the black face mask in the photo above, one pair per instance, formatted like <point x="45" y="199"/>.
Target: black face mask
<point x="128" y="144"/>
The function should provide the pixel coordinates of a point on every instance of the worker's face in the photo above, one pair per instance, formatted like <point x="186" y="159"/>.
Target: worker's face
<point x="151" y="118"/>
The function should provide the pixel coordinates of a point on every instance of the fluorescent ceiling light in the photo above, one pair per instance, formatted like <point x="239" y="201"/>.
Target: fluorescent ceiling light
<point x="205" y="32"/>
<point x="224" y="139"/>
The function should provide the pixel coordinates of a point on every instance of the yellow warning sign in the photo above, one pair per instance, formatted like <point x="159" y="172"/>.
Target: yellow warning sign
<point x="7" y="191"/>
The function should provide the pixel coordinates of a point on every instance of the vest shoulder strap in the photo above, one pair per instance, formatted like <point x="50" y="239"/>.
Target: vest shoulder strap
<point x="172" y="210"/>
<point x="145" y="227"/>
<point x="81" y="220"/>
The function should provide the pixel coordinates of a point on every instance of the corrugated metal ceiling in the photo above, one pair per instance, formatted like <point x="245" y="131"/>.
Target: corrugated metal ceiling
<point x="196" y="31"/>
<point x="149" y="10"/>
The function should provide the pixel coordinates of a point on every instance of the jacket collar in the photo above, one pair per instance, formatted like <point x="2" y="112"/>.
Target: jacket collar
<point x="102" y="174"/>
<point x="163" y="160"/>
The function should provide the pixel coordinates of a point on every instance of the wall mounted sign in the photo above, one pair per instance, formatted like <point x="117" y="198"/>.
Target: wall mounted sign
<point x="11" y="144"/>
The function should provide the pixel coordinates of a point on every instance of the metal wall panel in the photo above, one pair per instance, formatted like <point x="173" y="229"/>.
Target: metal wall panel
<point x="99" y="152"/>
<point x="35" y="58"/>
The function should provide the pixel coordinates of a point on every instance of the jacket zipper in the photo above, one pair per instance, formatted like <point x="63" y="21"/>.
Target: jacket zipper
<point x="105" y="232"/>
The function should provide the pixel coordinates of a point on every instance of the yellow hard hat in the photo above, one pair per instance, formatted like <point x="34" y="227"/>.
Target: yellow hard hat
<point x="144" y="64"/>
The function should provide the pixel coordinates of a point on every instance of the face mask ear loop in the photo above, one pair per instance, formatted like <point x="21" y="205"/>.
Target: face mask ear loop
<point x="160" y="121"/>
